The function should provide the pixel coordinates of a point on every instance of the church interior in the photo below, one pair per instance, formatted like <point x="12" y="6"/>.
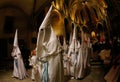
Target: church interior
<point x="76" y="24"/>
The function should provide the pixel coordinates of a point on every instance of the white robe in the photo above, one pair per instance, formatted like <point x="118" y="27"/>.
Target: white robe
<point x="80" y="63"/>
<point x="34" y="66"/>
<point x="83" y="58"/>
<point x="49" y="52"/>
<point x="19" y="68"/>
<point x="54" y="58"/>
<point x="73" y="53"/>
<point x="52" y="54"/>
<point x="72" y="60"/>
<point x="65" y="58"/>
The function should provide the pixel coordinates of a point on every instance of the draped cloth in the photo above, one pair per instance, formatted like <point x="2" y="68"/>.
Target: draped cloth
<point x="45" y="77"/>
<point x="83" y="59"/>
<point x="73" y="53"/>
<point x="86" y="52"/>
<point x="32" y="62"/>
<point x="49" y="50"/>
<point x="19" y="68"/>
<point x="65" y="60"/>
<point x="80" y="63"/>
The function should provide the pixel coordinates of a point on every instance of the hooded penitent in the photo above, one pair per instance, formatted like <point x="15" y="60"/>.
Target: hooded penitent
<point x="80" y="60"/>
<point x="49" y="50"/>
<point x="73" y="52"/>
<point x="73" y="44"/>
<point x="41" y="34"/>
<point x="84" y="55"/>
<point x="15" y="44"/>
<point x="19" y="68"/>
<point x="15" y="39"/>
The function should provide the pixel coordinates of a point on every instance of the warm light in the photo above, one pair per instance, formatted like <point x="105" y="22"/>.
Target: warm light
<point x="57" y="6"/>
<point x="57" y="23"/>
<point x="93" y="34"/>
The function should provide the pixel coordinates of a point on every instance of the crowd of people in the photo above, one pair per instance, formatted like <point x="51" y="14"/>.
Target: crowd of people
<point x="52" y="60"/>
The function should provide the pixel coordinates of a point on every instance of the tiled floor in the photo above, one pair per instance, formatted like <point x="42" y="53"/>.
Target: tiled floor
<point x="95" y="75"/>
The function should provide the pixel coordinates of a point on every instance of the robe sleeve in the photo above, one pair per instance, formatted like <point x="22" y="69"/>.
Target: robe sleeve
<point x="52" y="48"/>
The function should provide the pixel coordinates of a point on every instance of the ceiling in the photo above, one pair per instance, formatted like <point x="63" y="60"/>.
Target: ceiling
<point x="34" y="7"/>
<point x="27" y="6"/>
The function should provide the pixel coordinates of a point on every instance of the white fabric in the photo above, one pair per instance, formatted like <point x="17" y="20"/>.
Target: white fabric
<point x="65" y="60"/>
<point x="84" y="58"/>
<point x="33" y="60"/>
<point x="53" y="56"/>
<point x="80" y="65"/>
<point x="16" y="38"/>
<point x="49" y="49"/>
<point x="73" y="53"/>
<point x="84" y="50"/>
<point x="34" y="67"/>
<point x="79" y="55"/>
<point x="41" y="34"/>
<point x="19" y="68"/>
<point x="70" y="40"/>
<point x="65" y="46"/>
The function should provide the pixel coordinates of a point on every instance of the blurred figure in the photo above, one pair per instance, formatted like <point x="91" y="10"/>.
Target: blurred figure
<point x="32" y="63"/>
<point x="19" y="68"/>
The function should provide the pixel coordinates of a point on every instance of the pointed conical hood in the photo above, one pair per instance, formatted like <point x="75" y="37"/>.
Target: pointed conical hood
<point x="82" y="38"/>
<point x="52" y="36"/>
<point x="73" y="42"/>
<point x="74" y="32"/>
<point x="41" y="33"/>
<point x="46" y="19"/>
<point x="16" y="39"/>
<point x="16" y="49"/>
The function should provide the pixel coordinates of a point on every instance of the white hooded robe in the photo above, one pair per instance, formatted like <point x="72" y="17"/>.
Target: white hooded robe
<point x="73" y="53"/>
<point x="49" y="52"/>
<point x="19" y="68"/>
